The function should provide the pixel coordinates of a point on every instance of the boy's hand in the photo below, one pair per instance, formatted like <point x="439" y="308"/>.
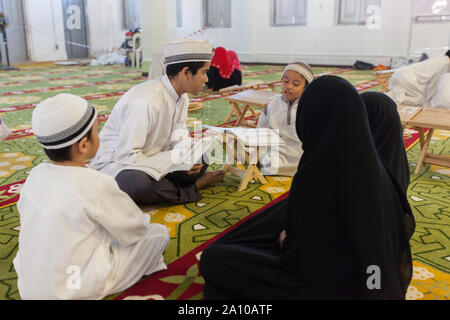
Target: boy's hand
<point x="282" y="237"/>
<point x="195" y="169"/>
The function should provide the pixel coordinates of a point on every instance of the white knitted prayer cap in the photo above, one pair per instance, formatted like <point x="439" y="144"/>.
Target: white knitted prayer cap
<point x="62" y="120"/>
<point x="303" y="68"/>
<point x="187" y="50"/>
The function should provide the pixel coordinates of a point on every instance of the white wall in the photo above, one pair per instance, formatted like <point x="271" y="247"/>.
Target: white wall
<point x="45" y="29"/>
<point x="105" y="25"/>
<point x="321" y="41"/>
<point x="430" y="38"/>
<point x="252" y="34"/>
<point x="159" y="20"/>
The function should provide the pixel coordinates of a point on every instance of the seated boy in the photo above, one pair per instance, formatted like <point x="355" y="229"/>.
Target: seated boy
<point x="280" y="114"/>
<point x="149" y="122"/>
<point x="81" y="237"/>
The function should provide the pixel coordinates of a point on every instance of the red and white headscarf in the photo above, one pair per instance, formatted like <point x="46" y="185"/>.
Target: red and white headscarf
<point x="234" y="60"/>
<point x="222" y="62"/>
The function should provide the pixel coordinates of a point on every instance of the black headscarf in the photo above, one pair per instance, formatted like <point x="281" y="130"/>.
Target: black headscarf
<point x="344" y="213"/>
<point x="387" y="134"/>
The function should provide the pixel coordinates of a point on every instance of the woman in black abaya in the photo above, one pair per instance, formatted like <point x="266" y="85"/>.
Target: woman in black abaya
<point x="387" y="132"/>
<point x="342" y="220"/>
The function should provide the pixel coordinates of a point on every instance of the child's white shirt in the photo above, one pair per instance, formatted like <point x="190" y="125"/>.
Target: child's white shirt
<point x="281" y="115"/>
<point x="78" y="232"/>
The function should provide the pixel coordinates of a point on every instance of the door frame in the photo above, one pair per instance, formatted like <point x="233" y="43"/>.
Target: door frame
<point x="27" y="49"/>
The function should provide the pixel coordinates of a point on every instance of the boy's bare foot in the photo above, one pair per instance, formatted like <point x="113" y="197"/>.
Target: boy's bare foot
<point x="210" y="178"/>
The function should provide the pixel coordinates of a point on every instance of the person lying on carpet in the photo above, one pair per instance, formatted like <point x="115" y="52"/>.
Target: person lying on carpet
<point x="343" y="229"/>
<point x="280" y="115"/>
<point x="149" y="121"/>
<point x="417" y="84"/>
<point x="387" y="133"/>
<point x="81" y="237"/>
<point x="225" y="70"/>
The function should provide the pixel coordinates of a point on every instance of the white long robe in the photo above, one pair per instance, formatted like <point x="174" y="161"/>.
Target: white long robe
<point x="149" y="120"/>
<point x="442" y="97"/>
<point x="417" y="84"/>
<point x="281" y="115"/>
<point x="81" y="237"/>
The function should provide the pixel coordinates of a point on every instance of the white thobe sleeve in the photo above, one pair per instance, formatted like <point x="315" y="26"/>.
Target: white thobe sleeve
<point x="134" y="131"/>
<point x="263" y="121"/>
<point x="441" y="67"/>
<point x="442" y="97"/>
<point x="119" y="215"/>
<point x="180" y="137"/>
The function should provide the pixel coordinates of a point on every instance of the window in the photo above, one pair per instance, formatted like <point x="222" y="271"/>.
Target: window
<point x="179" y="14"/>
<point x="431" y="11"/>
<point x="132" y="14"/>
<point x="290" y="12"/>
<point x="358" y="11"/>
<point x="218" y="13"/>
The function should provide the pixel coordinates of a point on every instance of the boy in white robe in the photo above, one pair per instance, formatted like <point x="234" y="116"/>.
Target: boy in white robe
<point x="149" y="122"/>
<point x="416" y="84"/>
<point x="280" y="114"/>
<point x="81" y="237"/>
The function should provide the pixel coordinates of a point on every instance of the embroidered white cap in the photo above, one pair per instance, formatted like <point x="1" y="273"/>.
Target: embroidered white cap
<point x="303" y="68"/>
<point x="62" y="120"/>
<point x="187" y="50"/>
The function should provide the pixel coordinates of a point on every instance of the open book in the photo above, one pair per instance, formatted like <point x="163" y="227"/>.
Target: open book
<point x="178" y="159"/>
<point x="251" y="137"/>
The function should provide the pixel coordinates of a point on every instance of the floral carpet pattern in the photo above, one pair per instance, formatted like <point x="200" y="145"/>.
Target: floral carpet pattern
<point x="193" y="226"/>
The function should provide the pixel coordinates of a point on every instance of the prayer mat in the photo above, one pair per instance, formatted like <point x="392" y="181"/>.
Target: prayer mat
<point x="191" y="226"/>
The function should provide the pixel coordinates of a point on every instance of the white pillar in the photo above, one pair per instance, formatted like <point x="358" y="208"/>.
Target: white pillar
<point x="159" y="23"/>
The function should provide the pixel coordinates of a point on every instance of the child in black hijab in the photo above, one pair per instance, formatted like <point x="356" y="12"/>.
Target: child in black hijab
<point x="387" y="134"/>
<point x="343" y="220"/>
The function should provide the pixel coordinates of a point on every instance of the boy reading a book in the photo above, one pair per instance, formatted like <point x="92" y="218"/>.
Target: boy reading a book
<point x="150" y="120"/>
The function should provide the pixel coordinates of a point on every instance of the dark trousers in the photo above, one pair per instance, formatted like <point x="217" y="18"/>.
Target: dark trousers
<point x="177" y="187"/>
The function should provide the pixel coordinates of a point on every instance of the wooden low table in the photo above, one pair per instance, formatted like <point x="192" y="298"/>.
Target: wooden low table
<point x="384" y="77"/>
<point x="248" y="98"/>
<point x="247" y="171"/>
<point x="254" y="85"/>
<point x="432" y="118"/>
<point x="272" y="85"/>
<point x="195" y="106"/>
<point x="406" y="113"/>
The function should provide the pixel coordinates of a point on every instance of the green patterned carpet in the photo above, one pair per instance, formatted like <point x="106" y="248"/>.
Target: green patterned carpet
<point x="192" y="224"/>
